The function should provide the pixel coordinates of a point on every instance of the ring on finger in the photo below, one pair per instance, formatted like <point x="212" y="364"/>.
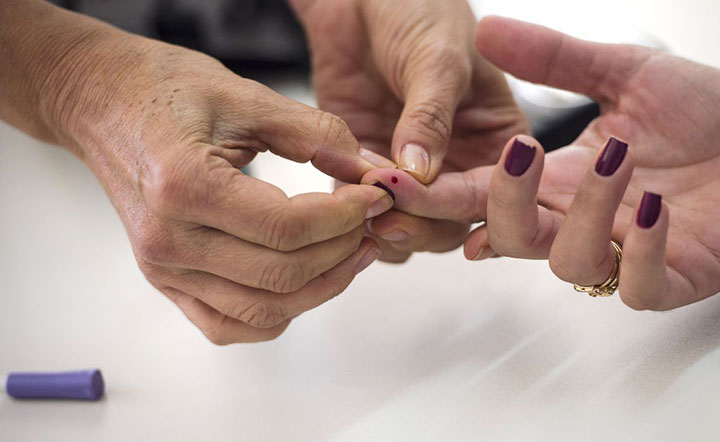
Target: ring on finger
<point x="610" y="285"/>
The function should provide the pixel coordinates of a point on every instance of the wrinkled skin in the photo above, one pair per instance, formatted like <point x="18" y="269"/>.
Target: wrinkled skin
<point x="166" y="130"/>
<point x="407" y="72"/>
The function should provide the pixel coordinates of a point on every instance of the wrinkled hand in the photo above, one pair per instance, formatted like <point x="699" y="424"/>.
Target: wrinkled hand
<point x="167" y="130"/>
<point x="405" y="76"/>
<point x="666" y="108"/>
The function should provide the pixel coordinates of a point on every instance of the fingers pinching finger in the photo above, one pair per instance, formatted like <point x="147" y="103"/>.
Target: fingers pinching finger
<point x="261" y="213"/>
<point x="581" y="252"/>
<point x="517" y="226"/>
<point x="453" y="196"/>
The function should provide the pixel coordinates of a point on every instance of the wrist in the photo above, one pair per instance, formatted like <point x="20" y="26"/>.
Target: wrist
<point x="79" y="90"/>
<point x="58" y="68"/>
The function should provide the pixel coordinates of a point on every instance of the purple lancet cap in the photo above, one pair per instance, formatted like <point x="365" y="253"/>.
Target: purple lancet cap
<point x="84" y="384"/>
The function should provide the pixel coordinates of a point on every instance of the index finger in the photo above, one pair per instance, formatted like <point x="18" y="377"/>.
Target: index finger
<point x="261" y="213"/>
<point x="454" y="196"/>
<point x="226" y="199"/>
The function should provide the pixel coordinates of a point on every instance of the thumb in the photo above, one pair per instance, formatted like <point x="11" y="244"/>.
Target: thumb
<point x="453" y="196"/>
<point x="423" y="132"/>
<point x="541" y="55"/>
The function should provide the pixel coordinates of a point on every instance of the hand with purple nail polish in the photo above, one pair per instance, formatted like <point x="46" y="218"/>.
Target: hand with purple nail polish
<point x="644" y="173"/>
<point x="652" y="187"/>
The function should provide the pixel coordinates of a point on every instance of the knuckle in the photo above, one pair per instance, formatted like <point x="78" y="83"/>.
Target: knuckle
<point x="154" y="245"/>
<point x="452" y="59"/>
<point x="432" y="117"/>
<point x="263" y="313"/>
<point x="286" y="233"/>
<point x="284" y="276"/>
<point x="334" y="129"/>
<point x="170" y="188"/>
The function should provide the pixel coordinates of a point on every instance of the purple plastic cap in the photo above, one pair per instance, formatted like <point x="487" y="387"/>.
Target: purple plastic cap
<point x="85" y="384"/>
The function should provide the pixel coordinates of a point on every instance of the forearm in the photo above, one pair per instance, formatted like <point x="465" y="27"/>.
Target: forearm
<point x="52" y="66"/>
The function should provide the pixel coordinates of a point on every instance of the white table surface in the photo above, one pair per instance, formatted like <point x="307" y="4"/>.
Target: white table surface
<point x="437" y="349"/>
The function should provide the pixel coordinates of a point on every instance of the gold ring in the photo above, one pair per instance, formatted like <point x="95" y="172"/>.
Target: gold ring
<point x="610" y="285"/>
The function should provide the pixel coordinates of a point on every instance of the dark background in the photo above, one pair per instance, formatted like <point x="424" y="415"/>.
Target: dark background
<point x="262" y="40"/>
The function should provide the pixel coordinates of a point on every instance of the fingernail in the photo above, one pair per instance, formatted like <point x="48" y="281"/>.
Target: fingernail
<point x="367" y="259"/>
<point x="376" y="159"/>
<point x="369" y="228"/>
<point x="380" y="206"/>
<point x="415" y="160"/>
<point x="483" y="253"/>
<point x="519" y="158"/>
<point x="612" y="157"/>
<point x="649" y="211"/>
<point x="395" y="236"/>
<point x="478" y="256"/>
<point x="386" y="189"/>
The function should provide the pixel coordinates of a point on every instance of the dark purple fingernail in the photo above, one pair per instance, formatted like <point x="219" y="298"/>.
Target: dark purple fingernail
<point x="386" y="189"/>
<point x="519" y="158"/>
<point x="612" y="157"/>
<point x="649" y="211"/>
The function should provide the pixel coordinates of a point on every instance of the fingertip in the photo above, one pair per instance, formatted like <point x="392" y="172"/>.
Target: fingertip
<point x="519" y="168"/>
<point x="455" y="196"/>
<point x="650" y="210"/>
<point x="400" y="185"/>
<point x="494" y="35"/>
<point x="419" y="162"/>
<point x="528" y="140"/>
<point x="369" y="252"/>
<point x="477" y="244"/>
<point x="643" y="274"/>
<point x="520" y="154"/>
<point x="386" y="189"/>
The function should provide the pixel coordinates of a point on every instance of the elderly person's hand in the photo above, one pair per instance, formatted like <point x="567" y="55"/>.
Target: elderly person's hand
<point x="667" y="110"/>
<point x="166" y="130"/>
<point x="405" y="76"/>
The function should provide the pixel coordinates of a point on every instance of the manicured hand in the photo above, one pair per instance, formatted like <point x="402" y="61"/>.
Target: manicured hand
<point x="405" y="76"/>
<point x="658" y="197"/>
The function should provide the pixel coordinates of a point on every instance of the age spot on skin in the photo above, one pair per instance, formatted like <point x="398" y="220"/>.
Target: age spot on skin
<point x="394" y="180"/>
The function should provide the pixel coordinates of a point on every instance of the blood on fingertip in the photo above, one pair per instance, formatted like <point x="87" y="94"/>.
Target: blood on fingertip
<point x="394" y="180"/>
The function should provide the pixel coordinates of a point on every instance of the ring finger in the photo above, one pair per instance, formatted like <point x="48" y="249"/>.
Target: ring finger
<point x="581" y="252"/>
